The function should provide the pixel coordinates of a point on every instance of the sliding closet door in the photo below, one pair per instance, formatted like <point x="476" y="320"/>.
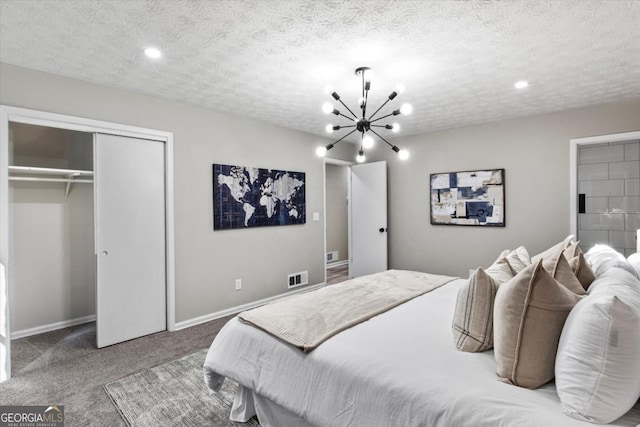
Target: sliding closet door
<point x="129" y="179"/>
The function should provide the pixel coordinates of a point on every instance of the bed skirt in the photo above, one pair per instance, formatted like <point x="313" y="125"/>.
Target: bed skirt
<point x="248" y="403"/>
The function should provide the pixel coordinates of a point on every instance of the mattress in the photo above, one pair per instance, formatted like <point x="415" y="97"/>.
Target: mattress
<point x="400" y="368"/>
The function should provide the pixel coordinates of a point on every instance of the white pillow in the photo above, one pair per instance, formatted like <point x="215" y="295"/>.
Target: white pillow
<point x="634" y="260"/>
<point x="598" y="360"/>
<point x="619" y="282"/>
<point x="602" y="258"/>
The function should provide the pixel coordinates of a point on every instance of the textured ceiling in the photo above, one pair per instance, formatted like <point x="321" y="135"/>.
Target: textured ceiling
<point x="271" y="60"/>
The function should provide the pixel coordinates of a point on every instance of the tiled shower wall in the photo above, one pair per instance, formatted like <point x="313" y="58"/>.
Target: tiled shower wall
<point x="609" y="176"/>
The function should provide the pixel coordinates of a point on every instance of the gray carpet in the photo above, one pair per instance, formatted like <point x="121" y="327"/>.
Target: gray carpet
<point x="173" y="394"/>
<point x="64" y="367"/>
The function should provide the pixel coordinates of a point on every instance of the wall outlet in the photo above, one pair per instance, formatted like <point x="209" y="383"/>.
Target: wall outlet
<point x="238" y="284"/>
<point x="298" y="279"/>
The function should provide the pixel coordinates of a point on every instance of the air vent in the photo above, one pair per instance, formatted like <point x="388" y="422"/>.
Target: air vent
<point x="333" y="256"/>
<point x="298" y="279"/>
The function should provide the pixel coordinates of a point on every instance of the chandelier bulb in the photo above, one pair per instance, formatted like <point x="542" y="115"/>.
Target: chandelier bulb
<point x="360" y="157"/>
<point x="329" y="128"/>
<point x="321" y="151"/>
<point x="403" y="154"/>
<point x="395" y="127"/>
<point x="406" y="109"/>
<point x="399" y="89"/>
<point x="327" y="108"/>
<point x="367" y="141"/>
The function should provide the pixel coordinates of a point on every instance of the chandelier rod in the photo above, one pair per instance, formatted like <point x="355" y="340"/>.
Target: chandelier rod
<point x="349" y="109"/>
<point x="383" y="117"/>
<point x="335" y="142"/>
<point x="365" y="95"/>
<point x="347" y="117"/>
<point x="378" y="135"/>
<point x="380" y="108"/>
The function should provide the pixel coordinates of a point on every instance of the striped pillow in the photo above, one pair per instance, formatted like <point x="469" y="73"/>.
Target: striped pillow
<point x="501" y="270"/>
<point x="473" y="318"/>
<point x="519" y="259"/>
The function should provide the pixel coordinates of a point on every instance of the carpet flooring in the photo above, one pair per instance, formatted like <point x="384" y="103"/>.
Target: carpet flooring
<point x="64" y="367"/>
<point x="174" y="394"/>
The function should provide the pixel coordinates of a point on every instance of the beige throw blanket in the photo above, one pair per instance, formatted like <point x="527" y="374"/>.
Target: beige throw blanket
<point x="308" y="319"/>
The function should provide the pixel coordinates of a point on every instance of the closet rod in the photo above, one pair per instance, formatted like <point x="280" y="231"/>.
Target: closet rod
<point x="32" y="178"/>
<point x="30" y="170"/>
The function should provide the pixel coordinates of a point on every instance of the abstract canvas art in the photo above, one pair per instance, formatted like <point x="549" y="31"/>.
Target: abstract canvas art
<point x="468" y="198"/>
<point x="252" y="197"/>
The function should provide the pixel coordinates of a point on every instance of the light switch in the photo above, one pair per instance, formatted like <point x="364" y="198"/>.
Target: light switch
<point x="316" y="216"/>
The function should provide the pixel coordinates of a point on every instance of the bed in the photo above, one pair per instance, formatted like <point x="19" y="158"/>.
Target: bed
<point x="399" y="368"/>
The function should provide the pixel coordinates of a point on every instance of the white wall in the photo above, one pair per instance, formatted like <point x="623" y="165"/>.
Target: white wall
<point x="52" y="267"/>
<point x="535" y="154"/>
<point x="337" y="210"/>
<point x="207" y="262"/>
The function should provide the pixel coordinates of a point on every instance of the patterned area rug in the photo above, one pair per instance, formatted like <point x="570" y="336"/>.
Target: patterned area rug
<point x="173" y="394"/>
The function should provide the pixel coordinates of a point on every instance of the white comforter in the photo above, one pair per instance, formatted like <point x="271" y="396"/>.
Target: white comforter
<point x="400" y="368"/>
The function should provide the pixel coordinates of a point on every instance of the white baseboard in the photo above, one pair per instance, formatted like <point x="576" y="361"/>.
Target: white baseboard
<point x="337" y="263"/>
<point x="52" y="327"/>
<point x="179" y="325"/>
<point x="239" y="308"/>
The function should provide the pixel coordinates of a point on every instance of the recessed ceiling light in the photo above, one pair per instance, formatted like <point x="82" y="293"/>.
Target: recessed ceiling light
<point x="152" y="52"/>
<point x="521" y="84"/>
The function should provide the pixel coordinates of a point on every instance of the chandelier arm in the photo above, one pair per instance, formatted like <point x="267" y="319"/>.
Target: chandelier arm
<point x="366" y="101"/>
<point x="378" y="135"/>
<point x="376" y="126"/>
<point x="340" y="114"/>
<point x="380" y="118"/>
<point x="380" y="108"/>
<point x="335" y="142"/>
<point x="349" y="109"/>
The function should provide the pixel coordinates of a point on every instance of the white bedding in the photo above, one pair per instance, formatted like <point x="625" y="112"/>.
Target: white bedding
<point x="400" y="368"/>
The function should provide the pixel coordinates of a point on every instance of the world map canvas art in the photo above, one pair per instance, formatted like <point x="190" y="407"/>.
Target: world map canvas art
<point x="254" y="197"/>
<point x="468" y="198"/>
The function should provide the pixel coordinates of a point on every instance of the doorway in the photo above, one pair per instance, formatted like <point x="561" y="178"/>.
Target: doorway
<point x="337" y="221"/>
<point x="605" y="191"/>
<point x="11" y="115"/>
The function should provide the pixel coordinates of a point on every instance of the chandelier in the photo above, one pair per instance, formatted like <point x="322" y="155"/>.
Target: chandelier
<point x="361" y="123"/>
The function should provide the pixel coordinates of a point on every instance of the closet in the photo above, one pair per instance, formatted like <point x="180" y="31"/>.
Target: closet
<point x="87" y="232"/>
<point x="52" y="270"/>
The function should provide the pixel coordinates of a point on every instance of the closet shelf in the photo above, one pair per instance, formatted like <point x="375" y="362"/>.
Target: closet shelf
<point x="68" y="176"/>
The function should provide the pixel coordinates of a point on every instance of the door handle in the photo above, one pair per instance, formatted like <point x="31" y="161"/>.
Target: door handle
<point x="104" y="253"/>
<point x="382" y="229"/>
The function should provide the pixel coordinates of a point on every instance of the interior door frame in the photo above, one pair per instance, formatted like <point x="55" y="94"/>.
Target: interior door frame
<point x="574" y="144"/>
<point x="42" y="118"/>
<point x="337" y="162"/>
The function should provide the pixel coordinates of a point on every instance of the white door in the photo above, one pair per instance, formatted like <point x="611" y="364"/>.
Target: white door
<point x="368" y="219"/>
<point x="129" y="182"/>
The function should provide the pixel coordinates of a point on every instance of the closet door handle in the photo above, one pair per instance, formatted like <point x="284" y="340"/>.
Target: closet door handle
<point x="105" y="253"/>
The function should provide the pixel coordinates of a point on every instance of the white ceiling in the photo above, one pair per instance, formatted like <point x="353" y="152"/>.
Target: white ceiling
<point x="271" y="60"/>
